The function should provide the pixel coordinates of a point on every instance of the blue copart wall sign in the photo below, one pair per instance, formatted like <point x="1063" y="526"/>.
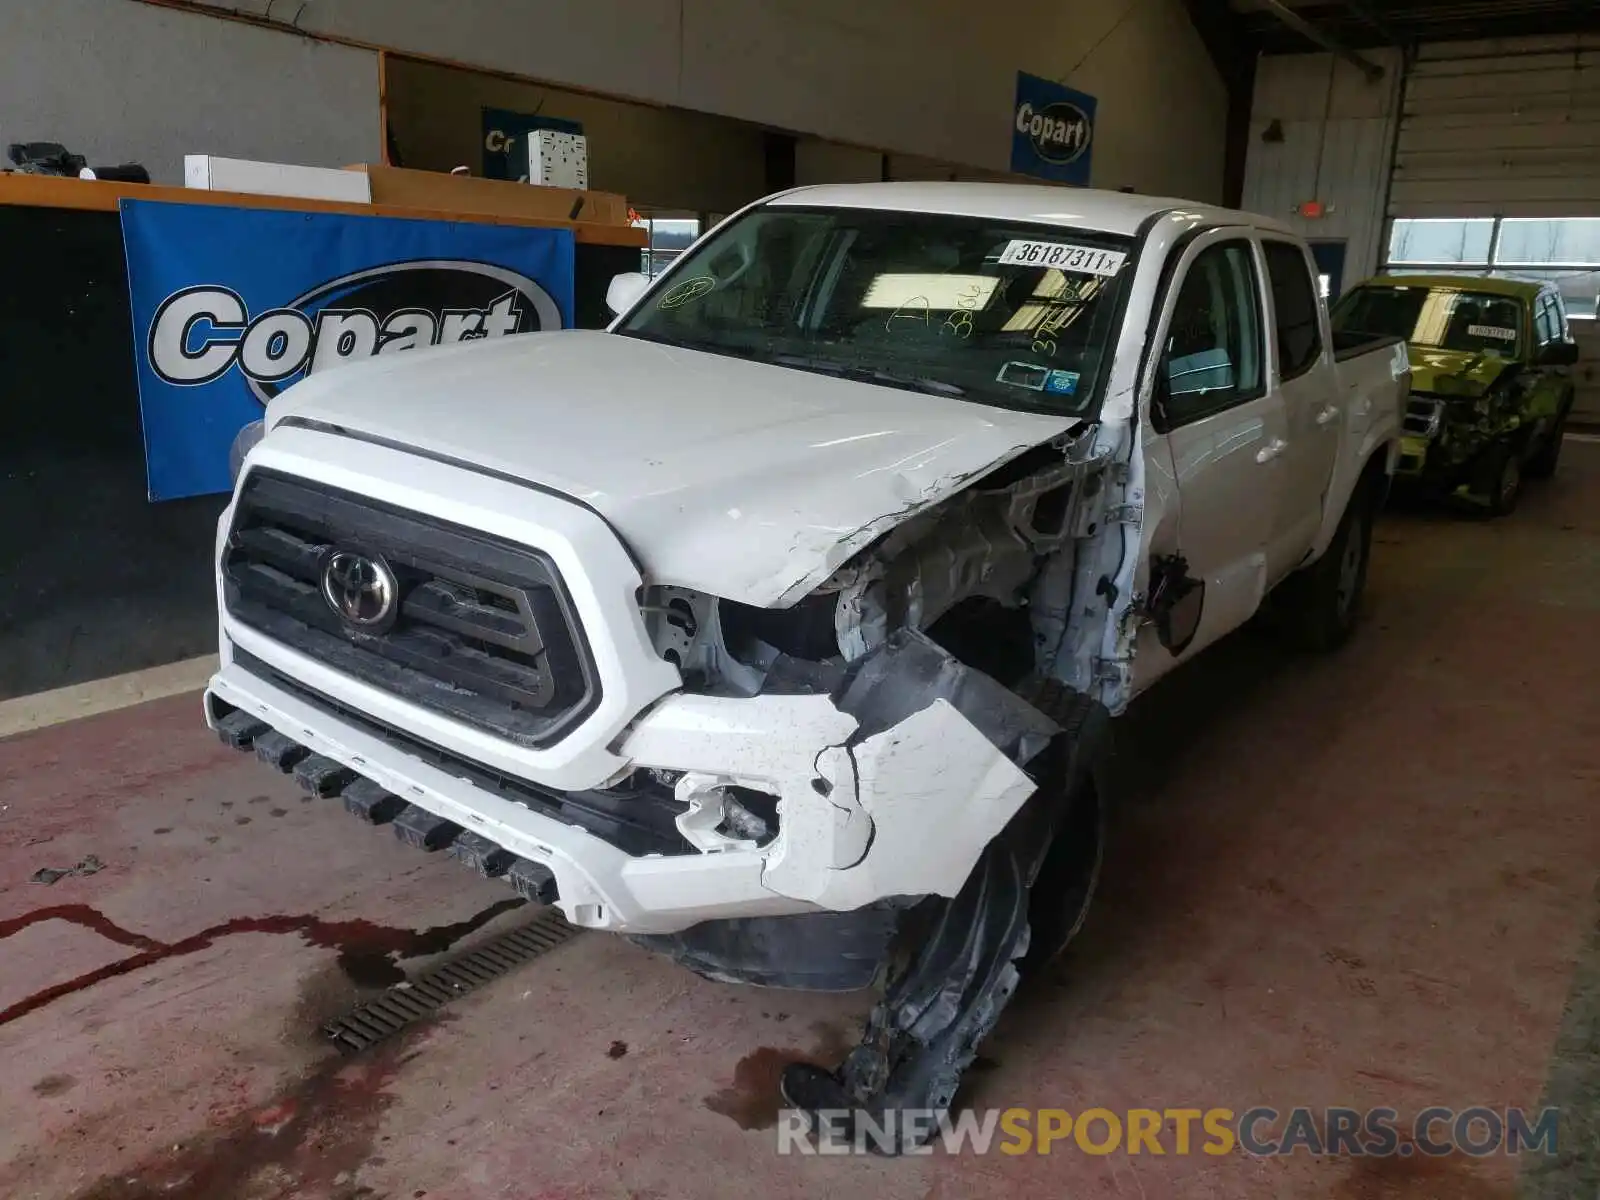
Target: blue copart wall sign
<point x="233" y="305"/>
<point x="1052" y="131"/>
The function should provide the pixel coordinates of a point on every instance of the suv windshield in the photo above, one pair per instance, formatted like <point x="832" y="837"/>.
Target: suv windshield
<point x="1436" y="317"/>
<point x="1015" y="315"/>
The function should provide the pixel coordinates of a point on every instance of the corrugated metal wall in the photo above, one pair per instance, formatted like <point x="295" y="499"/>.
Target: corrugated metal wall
<point x="1501" y="129"/>
<point x="1337" y="132"/>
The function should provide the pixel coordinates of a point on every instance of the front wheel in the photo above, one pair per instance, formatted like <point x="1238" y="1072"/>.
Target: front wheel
<point x="1323" y="601"/>
<point x="1501" y="485"/>
<point x="1543" y="463"/>
<point x="1064" y="887"/>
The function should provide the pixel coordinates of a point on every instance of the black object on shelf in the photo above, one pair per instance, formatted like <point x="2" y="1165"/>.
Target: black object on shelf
<point x="52" y="158"/>
<point x="124" y="173"/>
<point x="45" y="158"/>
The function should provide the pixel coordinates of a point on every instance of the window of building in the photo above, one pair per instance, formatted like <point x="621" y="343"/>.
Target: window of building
<point x="670" y="235"/>
<point x="1564" y="251"/>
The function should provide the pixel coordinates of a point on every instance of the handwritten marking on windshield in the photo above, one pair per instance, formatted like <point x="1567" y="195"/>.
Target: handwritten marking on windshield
<point x="959" y="322"/>
<point x="900" y="313"/>
<point x="1059" y="315"/>
<point x="689" y="289"/>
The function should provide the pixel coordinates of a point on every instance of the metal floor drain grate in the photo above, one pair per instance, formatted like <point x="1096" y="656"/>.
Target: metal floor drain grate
<point x="404" y="1003"/>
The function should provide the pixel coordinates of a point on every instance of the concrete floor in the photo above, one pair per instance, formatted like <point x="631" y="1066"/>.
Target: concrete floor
<point x="1364" y="880"/>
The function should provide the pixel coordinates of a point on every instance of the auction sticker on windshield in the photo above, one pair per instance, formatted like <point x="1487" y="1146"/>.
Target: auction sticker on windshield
<point x="1064" y="256"/>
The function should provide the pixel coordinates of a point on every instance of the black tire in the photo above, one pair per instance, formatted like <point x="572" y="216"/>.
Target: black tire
<point x="1070" y="811"/>
<point x="1499" y="480"/>
<point x="1064" y="888"/>
<point x="1322" y="604"/>
<point x="1543" y="463"/>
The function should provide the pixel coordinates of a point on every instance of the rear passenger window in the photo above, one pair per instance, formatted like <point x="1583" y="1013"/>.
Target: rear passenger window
<point x="1294" y="303"/>
<point x="1544" y="321"/>
<point x="1558" y="314"/>
<point x="1213" y="352"/>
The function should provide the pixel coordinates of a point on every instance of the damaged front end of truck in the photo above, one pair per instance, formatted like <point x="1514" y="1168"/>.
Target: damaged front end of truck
<point x="946" y="809"/>
<point x="771" y="649"/>
<point x="1464" y="407"/>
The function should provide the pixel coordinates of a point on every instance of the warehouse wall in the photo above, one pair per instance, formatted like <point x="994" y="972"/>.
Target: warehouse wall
<point x="657" y="157"/>
<point x="1337" y="144"/>
<point x="119" y="82"/>
<point x="817" y="161"/>
<point x="934" y="78"/>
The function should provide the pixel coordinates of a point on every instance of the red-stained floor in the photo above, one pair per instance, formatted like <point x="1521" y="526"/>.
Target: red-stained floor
<point x="1365" y="880"/>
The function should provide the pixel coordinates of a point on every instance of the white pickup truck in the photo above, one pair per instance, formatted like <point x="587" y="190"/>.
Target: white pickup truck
<point x="778" y="625"/>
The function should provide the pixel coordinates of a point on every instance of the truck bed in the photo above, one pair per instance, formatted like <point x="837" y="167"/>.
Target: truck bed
<point x="1350" y="344"/>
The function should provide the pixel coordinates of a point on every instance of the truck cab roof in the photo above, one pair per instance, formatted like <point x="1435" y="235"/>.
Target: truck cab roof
<point x="1121" y="213"/>
<point x="1509" y="286"/>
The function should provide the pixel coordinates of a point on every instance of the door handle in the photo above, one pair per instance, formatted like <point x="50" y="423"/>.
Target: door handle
<point x="1271" y="450"/>
<point x="1328" y="414"/>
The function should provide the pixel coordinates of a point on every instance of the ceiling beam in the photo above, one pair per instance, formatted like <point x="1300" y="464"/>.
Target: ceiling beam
<point x="1365" y="10"/>
<point x="1222" y="33"/>
<point x="1318" y="37"/>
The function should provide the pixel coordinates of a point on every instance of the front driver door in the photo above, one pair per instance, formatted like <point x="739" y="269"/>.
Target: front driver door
<point x="1218" y="435"/>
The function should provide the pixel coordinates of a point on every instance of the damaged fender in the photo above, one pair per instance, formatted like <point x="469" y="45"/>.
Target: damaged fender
<point x="891" y="786"/>
<point x="938" y="761"/>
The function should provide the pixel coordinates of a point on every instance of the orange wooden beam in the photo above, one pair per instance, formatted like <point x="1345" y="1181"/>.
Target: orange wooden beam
<point x="95" y="195"/>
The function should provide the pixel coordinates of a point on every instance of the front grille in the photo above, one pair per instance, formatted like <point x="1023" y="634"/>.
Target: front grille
<point x="639" y="817"/>
<point x="1423" y="414"/>
<point x="483" y="631"/>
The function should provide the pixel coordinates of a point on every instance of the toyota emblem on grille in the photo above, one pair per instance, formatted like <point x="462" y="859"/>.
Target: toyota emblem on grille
<point x="360" y="588"/>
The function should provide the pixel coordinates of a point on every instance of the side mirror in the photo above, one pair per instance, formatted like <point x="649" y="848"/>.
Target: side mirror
<point x="1559" y="354"/>
<point x="625" y="290"/>
<point x="1176" y="601"/>
<point x="1178" y="622"/>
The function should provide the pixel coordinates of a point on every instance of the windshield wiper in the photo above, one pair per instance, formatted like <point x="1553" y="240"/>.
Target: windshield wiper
<point x="828" y="366"/>
<point x="704" y="346"/>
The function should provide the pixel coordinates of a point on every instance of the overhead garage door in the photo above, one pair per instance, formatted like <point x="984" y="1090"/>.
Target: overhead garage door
<point x="1497" y="167"/>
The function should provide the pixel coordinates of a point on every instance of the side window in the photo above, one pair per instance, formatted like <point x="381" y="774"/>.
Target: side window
<point x="1294" y="303"/>
<point x="1558" y="315"/>
<point x="1213" y="352"/>
<point x="1544" y="321"/>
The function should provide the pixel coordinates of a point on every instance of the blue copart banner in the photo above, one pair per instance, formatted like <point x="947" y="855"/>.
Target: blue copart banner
<point x="1052" y="131"/>
<point x="232" y="305"/>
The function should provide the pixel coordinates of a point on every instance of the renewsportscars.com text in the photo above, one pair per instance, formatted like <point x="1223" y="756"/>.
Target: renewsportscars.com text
<point x="1261" y="1131"/>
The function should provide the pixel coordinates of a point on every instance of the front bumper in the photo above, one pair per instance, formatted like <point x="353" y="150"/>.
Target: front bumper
<point x="905" y="812"/>
<point x="1442" y="447"/>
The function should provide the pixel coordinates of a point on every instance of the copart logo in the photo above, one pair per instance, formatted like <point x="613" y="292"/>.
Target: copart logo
<point x="201" y="333"/>
<point x="1059" y="132"/>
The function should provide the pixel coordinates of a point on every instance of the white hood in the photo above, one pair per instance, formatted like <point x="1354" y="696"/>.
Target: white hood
<point x="737" y="478"/>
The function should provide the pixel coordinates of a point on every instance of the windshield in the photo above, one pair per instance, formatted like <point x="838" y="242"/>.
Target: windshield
<point x="1436" y="317"/>
<point x="1006" y="314"/>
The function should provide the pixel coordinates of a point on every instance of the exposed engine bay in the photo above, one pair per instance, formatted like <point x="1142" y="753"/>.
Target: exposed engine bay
<point x="983" y="574"/>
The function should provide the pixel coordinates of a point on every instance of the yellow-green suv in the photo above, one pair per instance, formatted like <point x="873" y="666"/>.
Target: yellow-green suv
<point x="1489" y="388"/>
